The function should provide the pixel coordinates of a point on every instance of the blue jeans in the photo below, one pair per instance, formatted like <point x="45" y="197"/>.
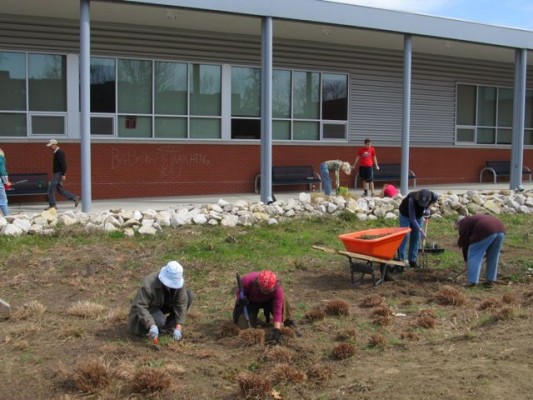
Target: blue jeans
<point x="413" y="237"/>
<point x="326" y="180"/>
<point x="57" y="184"/>
<point x="490" y="246"/>
<point x="3" y="200"/>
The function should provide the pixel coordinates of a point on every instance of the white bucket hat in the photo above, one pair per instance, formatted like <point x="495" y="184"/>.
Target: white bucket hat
<point x="172" y="275"/>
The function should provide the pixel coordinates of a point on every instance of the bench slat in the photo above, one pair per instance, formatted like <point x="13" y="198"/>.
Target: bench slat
<point x="292" y="175"/>
<point x="388" y="172"/>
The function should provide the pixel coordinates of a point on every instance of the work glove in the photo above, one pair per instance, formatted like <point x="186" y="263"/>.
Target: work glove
<point x="177" y="335"/>
<point x="243" y="302"/>
<point x="153" y="332"/>
<point x="276" y="336"/>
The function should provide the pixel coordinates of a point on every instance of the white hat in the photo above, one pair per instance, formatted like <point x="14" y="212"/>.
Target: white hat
<point x="172" y="275"/>
<point x="51" y="142"/>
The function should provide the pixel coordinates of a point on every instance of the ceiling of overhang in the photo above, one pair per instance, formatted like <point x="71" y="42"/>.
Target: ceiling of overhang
<point x="235" y="24"/>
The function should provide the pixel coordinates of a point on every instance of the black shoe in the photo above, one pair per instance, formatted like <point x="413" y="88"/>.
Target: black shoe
<point x="77" y="201"/>
<point x="289" y="323"/>
<point x="488" y="284"/>
<point x="470" y="285"/>
<point x="413" y="264"/>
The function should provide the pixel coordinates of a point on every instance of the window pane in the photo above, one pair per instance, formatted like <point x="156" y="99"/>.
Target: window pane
<point x="466" y="105"/>
<point x="203" y="128"/>
<point x="466" y="135"/>
<point x="47" y="82"/>
<point x="134" y="87"/>
<point x="171" y="127"/>
<point x="13" y="125"/>
<point x="505" y="107"/>
<point x="334" y="97"/>
<point x="170" y="88"/>
<point x="245" y="92"/>
<point x="306" y="95"/>
<point x="486" y="136"/>
<point x="281" y="94"/>
<point x="306" y="130"/>
<point x="486" y="106"/>
<point x="281" y="130"/>
<point x="205" y="90"/>
<point x="528" y="138"/>
<point x="334" y="131"/>
<point x="13" y="81"/>
<point x="44" y="125"/>
<point x="528" y="123"/>
<point x="505" y="136"/>
<point x="103" y="81"/>
<point x="102" y="126"/>
<point x="245" y="128"/>
<point x="133" y="126"/>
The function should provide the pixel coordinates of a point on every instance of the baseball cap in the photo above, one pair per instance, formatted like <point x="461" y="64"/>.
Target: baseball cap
<point x="51" y="142"/>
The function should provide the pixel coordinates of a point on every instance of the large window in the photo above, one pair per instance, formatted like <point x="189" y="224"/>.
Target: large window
<point x="34" y="94"/>
<point x="305" y="105"/>
<point x="485" y="115"/>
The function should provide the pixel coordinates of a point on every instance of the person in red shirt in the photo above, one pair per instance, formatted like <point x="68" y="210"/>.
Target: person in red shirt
<point x="366" y="156"/>
<point x="262" y="291"/>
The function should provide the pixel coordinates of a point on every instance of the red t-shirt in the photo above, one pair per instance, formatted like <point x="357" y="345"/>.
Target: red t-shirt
<point x="366" y="156"/>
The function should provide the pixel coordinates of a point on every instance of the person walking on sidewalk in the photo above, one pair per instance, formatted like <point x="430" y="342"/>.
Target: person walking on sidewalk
<point x="367" y="155"/>
<point x="479" y="236"/>
<point x="336" y="166"/>
<point x="5" y="181"/>
<point x="59" y="176"/>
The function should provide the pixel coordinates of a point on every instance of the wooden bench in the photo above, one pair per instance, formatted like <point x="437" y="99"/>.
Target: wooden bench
<point x="500" y="169"/>
<point x="389" y="172"/>
<point x="292" y="175"/>
<point x="28" y="184"/>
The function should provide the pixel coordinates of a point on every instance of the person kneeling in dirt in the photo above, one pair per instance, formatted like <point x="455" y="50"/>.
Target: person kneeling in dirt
<point x="480" y="235"/>
<point x="262" y="290"/>
<point x="161" y="303"/>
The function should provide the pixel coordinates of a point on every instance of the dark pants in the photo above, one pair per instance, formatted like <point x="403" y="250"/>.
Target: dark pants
<point x="253" y="312"/>
<point x="57" y="184"/>
<point x="165" y="319"/>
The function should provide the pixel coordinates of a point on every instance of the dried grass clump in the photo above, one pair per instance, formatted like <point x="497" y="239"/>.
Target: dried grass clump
<point x="343" y="351"/>
<point x="347" y="334"/>
<point x="21" y="345"/>
<point x="320" y="373"/>
<point x="504" y="314"/>
<point x="382" y="311"/>
<point x="150" y="380"/>
<point x="449" y="296"/>
<point x="228" y="329"/>
<point x="117" y="316"/>
<point x="92" y="375"/>
<point x="377" y="340"/>
<point x="252" y="337"/>
<point x="72" y="333"/>
<point x="253" y="386"/>
<point x="316" y="314"/>
<point x="491" y="302"/>
<point x="32" y="310"/>
<point x="86" y="309"/>
<point x="509" y="298"/>
<point x="381" y="321"/>
<point x="279" y="354"/>
<point x="371" y="301"/>
<point x="204" y="353"/>
<point x="425" y="322"/>
<point x="337" y="307"/>
<point x="412" y="336"/>
<point x="286" y="373"/>
<point x="287" y="332"/>
<point x="427" y="312"/>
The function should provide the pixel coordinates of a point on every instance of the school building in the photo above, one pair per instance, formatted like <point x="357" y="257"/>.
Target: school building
<point x="164" y="97"/>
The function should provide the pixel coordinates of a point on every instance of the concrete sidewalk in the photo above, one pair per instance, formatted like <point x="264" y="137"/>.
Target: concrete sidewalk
<point x="161" y="203"/>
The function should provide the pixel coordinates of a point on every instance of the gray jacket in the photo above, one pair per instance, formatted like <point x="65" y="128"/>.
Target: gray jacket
<point x="151" y="297"/>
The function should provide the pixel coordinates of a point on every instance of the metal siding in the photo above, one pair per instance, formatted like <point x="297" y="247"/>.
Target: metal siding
<point x="375" y="107"/>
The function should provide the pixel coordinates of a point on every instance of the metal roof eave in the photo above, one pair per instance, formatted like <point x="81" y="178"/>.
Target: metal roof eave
<point x="326" y="12"/>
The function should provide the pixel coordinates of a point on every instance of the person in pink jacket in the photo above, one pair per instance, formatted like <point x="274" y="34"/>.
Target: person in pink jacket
<point x="262" y="290"/>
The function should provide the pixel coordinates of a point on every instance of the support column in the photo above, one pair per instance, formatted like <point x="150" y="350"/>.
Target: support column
<point x="266" y="110"/>
<point x="85" y="104"/>
<point x="406" y="113"/>
<point x="519" y="106"/>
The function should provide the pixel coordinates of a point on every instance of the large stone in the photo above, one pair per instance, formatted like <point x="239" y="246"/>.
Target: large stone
<point x="5" y="309"/>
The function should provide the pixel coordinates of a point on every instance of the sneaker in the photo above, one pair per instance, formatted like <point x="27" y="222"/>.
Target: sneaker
<point x="77" y="201"/>
<point x="488" y="284"/>
<point x="365" y="193"/>
<point x="470" y="285"/>
<point x="413" y="264"/>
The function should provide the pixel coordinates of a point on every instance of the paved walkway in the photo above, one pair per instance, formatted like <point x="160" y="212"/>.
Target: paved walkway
<point x="161" y="203"/>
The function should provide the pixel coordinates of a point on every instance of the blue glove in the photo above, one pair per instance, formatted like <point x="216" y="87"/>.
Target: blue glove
<point x="153" y="332"/>
<point x="177" y="335"/>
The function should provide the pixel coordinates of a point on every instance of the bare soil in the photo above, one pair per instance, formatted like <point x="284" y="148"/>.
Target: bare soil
<point x="401" y="340"/>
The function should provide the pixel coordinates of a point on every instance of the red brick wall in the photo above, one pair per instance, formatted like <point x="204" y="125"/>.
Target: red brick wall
<point x="147" y="170"/>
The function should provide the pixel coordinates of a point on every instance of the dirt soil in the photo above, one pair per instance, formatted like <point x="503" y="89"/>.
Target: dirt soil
<point x="422" y="336"/>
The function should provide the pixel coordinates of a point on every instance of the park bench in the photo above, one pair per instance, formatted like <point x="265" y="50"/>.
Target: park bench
<point x="500" y="169"/>
<point x="389" y="173"/>
<point x="292" y="175"/>
<point x="28" y="184"/>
